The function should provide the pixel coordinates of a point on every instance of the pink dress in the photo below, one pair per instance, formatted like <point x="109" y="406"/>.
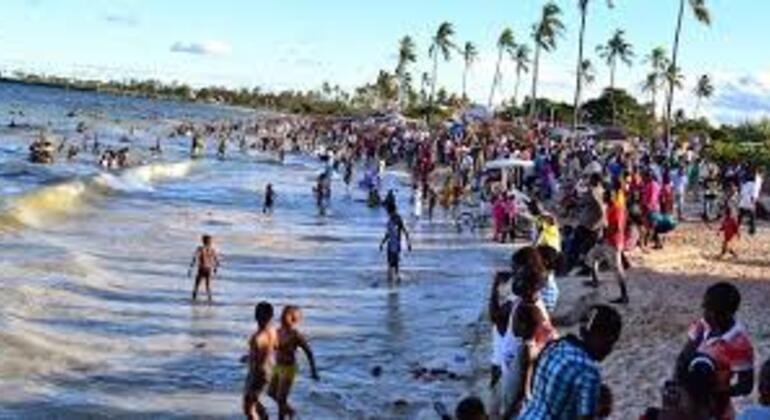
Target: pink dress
<point x="498" y="216"/>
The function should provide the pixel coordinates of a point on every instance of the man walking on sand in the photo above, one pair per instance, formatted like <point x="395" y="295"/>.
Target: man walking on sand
<point x="749" y="195"/>
<point x="611" y="249"/>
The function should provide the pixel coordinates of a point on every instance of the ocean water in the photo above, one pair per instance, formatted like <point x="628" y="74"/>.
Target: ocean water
<point x="96" y="319"/>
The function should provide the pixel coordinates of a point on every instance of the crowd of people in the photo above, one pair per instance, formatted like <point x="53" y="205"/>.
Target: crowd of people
<point x="586" y="207"/>
<point x="579" y="209"/>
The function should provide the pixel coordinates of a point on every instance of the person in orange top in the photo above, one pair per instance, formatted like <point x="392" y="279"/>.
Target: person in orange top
<point x="611" y="249"/>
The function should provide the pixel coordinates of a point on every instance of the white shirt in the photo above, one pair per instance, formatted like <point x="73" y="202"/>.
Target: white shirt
<point x="749" y="195"/>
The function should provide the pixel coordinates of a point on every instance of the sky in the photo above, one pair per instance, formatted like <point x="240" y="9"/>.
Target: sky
<point x="299" y="44"/>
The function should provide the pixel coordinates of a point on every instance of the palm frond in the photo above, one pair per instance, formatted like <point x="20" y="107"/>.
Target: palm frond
<point x="701" y="11"/>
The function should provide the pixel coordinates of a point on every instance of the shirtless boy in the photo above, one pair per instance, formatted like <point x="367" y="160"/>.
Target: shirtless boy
<point x="208" y="263"/>
<point x="289" y="340"/>
<point x="260" y="359"/>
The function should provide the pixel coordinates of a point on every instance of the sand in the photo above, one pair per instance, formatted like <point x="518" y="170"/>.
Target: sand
<point x="666" y="287"/>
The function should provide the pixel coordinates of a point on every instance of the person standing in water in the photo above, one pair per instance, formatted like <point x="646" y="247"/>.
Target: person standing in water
<point x="267" y="207"/>
<point x="198" y="145"/>
<point x="321" y="194"/>
<point x="348" y="177"/>
<point x="260" y="359"/>
<point x="394" y="230"/>
<point x="285" y="371"/>
<point x="222" y="148"/>
<point x="208" y="263"/>
<point x="417" y="202"/>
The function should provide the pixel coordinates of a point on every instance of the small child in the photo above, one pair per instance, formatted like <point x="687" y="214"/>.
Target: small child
<point x="471" y="408"/>
<point x="730" y="230"/>
<point x="262" y="346"/>
<point x="760" y="411"/>
<point x="208" y="264"/>
<point x="432" y="198"/>
<point x="289" y="339"/>
<point x="269" y="200"/>
<point x="499" y="218"/>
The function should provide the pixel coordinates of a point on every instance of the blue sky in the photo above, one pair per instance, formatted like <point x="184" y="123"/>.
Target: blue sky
<point x="280" y="44"/>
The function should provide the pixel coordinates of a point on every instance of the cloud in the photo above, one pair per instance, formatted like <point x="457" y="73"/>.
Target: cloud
<point x="746" y="97"/>
<point x="210" y="48"/>
<point x="121" y="19"/>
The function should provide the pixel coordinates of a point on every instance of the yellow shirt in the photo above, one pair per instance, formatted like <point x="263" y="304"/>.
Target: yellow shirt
<point x="550" y="235"/>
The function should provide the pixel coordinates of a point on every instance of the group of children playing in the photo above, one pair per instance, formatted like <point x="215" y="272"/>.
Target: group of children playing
<point x="272" y="362"/>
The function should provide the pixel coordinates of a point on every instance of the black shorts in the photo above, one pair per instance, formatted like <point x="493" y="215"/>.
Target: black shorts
<point x="204" y="273"/>
<point x="394" y="257"/>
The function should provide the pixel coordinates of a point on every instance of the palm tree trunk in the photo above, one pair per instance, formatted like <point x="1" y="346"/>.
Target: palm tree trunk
<point x="579" y="77"/>
<point x="433" y="84"/>
<point x="697" y="107"/>
<point x="535" y="71"/>
<point x="613" y="67"/>
<point x="654" y="103"/>
<point x="496" y="78"/>
<point x="675" y="55"/>
<point x="516" y="89"/>
<point x="465" y="79"/>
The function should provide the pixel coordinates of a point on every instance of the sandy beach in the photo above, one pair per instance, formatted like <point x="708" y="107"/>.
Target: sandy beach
<point x="666" y="287"/>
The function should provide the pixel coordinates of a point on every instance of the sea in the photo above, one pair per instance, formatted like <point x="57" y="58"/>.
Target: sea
<point x="96" y="318"/>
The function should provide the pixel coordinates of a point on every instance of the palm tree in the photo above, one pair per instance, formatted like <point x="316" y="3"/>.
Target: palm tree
<point x="673" y="79"/>
<point x="650" y="85"/>
<point x="470" y="54"/>
<point x="587" y="73"/>
<point x="704" y="89"/>
<point x="506" y="43"/>
<point x="424" y="86"/>
<point x="616" y="48"/>
<point x="702" y="15"/>
<point x="579" y="79"/>
<point x="521" y="60"/>
<point x="441" y="45"/>
<point x="406" y="55"/>
<point x="659" y="64"/>
<point x="544" y="33"/>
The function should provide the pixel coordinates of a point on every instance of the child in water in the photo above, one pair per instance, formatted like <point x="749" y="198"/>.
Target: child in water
<point x="262" y="345"/>
<point x="289" y="339"/>
<point x="208" y="264"/>
<point x="269" y="200"/>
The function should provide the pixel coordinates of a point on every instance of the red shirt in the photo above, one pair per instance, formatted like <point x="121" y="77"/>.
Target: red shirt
<point x="614" y="234"/>
<point x="729" y="228"/>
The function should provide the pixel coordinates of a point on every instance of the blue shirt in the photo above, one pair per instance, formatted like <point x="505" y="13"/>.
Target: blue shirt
<point x="394" y="234"/>
<point x="550" y="293"/>
<point x="565" y="385"/>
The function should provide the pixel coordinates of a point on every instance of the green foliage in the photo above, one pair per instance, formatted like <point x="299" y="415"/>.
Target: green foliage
<point x="631" y="115"/>
<point x="561" y="112"/>
<point x="756" y="154"/>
